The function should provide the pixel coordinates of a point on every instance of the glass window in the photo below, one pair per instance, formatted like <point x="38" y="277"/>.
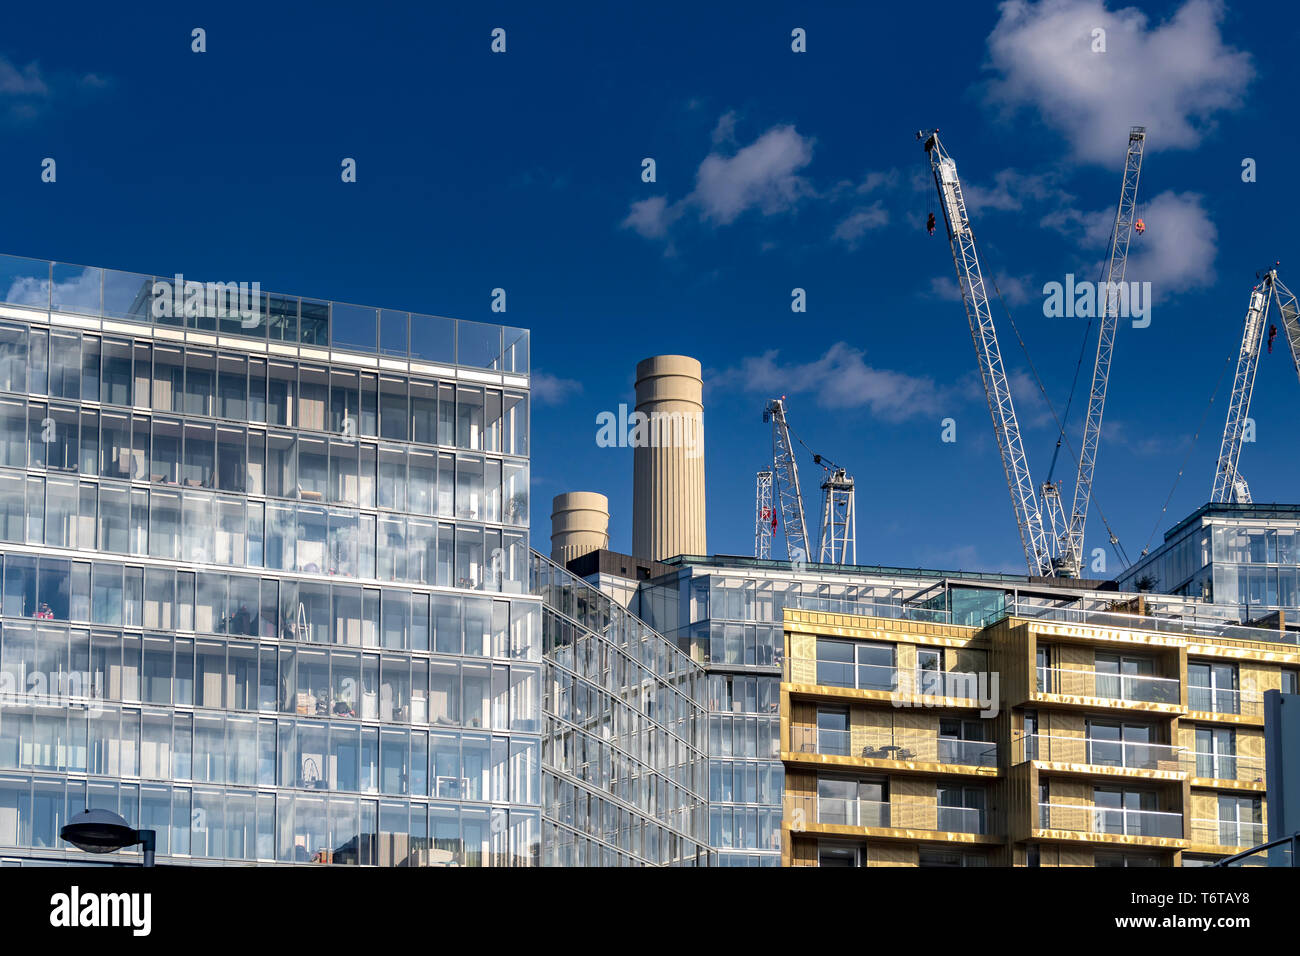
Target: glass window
<point x="353" y="327"/>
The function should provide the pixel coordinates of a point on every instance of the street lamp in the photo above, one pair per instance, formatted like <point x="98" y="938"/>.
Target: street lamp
<point x="103" y="831"/>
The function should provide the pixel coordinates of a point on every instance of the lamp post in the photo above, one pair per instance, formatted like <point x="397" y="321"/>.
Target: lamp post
<point x="102" y="831"/>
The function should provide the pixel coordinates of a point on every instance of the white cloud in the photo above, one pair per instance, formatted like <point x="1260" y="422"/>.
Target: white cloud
<point x="1176" y="251"/>
<point x="839" y="379"/>
<point x="651" y="217"/>
<point x="548" y="389"/>
<point x="1010" y="191"/>
<point x="725" y="131"/>
<point x="27" y="81"/>
<point x="858" y="223"/>
<point x="1173" y="78"/>
<point x="762" y="176"/>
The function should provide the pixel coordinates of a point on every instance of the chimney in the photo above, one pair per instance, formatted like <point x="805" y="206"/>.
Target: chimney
<point x="579" y="524"/>
<point x="668" y="460"/>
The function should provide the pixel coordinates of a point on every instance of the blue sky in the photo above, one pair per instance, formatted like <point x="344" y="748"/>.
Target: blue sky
<point x="775" y="170"/>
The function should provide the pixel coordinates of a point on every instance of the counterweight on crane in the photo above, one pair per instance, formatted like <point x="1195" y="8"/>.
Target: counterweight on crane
<point x="970" y="279"/>
<point x="1229" y="484"/>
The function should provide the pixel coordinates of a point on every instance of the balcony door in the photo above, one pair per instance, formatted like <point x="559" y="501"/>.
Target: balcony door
<point x="833" y="731"/>
<point x="929" y="672"/>
<point x="962" y="809"/>
<point x="1216" y="753"/>
<point x="1241" y="821"/>
<point x="1212" y="688"/>
<point x="1125" y="678"/>
<point x="1125" y="811"/>
<point x="1121" y="745"/>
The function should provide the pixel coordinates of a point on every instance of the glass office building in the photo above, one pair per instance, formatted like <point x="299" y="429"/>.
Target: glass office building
<point x="265" y="576"/>
<point x="623" y="762"/>
<point x="1244" y="558"/>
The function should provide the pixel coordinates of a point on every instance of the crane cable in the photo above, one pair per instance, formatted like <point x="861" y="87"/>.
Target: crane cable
<point x="1114" y="539"/>
<point x="1215" y="394"/>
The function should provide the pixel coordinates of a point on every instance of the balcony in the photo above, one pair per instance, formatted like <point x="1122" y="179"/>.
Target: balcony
<point x="1107" y="820"/>
<point x="890" y="679"/>
<point x="877" y="813"/>
<point x="962" y="820"/>
<point x="1215" y="700"/>
<point x="852" y="813"/>
<point x="901" y="745"/>
<point x="1101" y="753"/>
<point x="1223" y="766"/>
<point x="1227" y="833"/>
<point x="1132" y="688"/>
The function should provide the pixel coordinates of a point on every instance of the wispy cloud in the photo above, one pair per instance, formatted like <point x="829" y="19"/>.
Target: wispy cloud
<point x="548" y="389"/>
<point x="27" y="91"/>
<point x="858" y="223"/>
<point x="1174" y="77"/>
<point x="841" y="378"/>
<point x="1176" y="252"/>
<point x="762" y="176"/>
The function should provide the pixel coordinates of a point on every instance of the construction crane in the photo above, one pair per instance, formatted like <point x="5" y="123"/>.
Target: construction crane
<point x="1229" y="484"/>
<point x="839" y="523"/>
<point x="785" y="472"/>
<point x="970" y="279"/>
<point x="764" y="515"/>
<point x="1069" y="536"/>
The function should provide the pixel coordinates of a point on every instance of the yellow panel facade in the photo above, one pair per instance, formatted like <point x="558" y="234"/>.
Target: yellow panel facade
<point x="891" y="854"/>
<point x="913" y="803"/>
<point x="1013" y="793"/>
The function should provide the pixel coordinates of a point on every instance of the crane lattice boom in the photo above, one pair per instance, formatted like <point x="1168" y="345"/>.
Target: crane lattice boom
<point x="970" y="278"/>
<point x="785" y="472"/>
<point x="1071" y="549"/>
<point x="1229" y="483"/>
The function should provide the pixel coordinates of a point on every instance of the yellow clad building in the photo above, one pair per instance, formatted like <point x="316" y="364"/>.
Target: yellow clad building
<point x="1108" y="739"/>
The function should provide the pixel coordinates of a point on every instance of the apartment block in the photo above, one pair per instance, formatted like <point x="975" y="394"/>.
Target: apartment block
<point x="1111" y="737"/>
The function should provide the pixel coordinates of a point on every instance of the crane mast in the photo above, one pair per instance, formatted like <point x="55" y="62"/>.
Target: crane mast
<point x="1029" y="519"/>
<point x="786" y="479"/>
<point x="839" y="523"/>
<point x="1071" y="549"/>
<point x="1229" y="483"/>
<point x="763" y="515"/>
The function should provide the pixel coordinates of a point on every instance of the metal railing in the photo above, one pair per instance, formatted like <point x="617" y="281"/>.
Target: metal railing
<point x="1222" y="766"/>
<point x="965" y="685"/>
<point x="962" y="820"/>
<point x="1093" y="819"/>
<point x="1217" y="700"/>
<point x="1097" y="752"/>
<point x="844" y="811"/>
<point x="895" y="745"/>
<point x="1085" y="683"/>
<point x="1227" y="832"/>
<point x="886" y="609"/>
<point x="133" y="297"/>
<point x="1184" y="626"/>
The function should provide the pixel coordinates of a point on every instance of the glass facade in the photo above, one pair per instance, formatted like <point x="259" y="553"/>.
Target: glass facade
<point x="1243" y="557"/>
<point x="264" y="580"/>
<point x="623" y="761"/>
